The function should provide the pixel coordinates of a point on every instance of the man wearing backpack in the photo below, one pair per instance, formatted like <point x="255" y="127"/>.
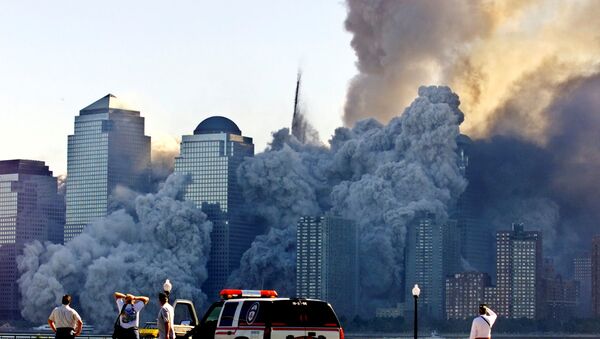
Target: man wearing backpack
<point x="482" y="324"/>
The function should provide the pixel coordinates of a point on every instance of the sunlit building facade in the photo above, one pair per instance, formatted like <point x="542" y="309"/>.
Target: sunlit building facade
<point x="211" y="157"/>
<point x="108" y="148"/>
<point x="30" y="209"/>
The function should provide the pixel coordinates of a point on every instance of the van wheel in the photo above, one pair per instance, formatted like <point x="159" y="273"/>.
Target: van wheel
<point x="241" y="337"/>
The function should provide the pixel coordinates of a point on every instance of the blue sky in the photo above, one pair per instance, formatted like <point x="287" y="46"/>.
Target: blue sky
<point x="177" y="62"/>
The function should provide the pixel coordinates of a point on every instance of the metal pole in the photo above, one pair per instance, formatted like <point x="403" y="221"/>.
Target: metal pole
<point x="415" y="324"/>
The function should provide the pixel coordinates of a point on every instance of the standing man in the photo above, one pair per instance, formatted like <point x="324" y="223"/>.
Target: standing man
<point x="482" y="324"/>
<point x="165" y="319"/>
<point x="65" y="321"/>
<point x="129" y="307"/>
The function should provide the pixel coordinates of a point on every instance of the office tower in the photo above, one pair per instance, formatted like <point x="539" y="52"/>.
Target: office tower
<point x="464" y="294"/>
<point x="108" y="148"/>
<point x="518" y="273"/>
<point x="30" y="209"/>
<point x="596" y="276"/>
<point x="475" y="241"/>
<point x="424" y="264"/>
<point x="211" y="157"/>
<point x="327" y="262"/>
<point x="582" y="273"/>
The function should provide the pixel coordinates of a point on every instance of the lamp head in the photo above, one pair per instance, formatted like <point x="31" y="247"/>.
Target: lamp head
<point x="416" y="291"/>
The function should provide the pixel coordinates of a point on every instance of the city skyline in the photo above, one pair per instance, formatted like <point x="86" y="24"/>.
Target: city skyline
<point x="215" y="60"/>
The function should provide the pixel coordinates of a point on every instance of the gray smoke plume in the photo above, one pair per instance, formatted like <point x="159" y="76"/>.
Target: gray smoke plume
<point x="378" y="175"/>
<point x="131" y="250"/>
<point x="496" y="54"/>
<point x="551" y="187"/>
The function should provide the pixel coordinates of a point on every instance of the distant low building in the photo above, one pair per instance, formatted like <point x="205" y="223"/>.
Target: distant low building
<point x="464" y="292"/>
<point x="391" y="312"/>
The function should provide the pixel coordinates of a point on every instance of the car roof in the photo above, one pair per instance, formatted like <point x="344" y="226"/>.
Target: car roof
<point x="273" y="299"/>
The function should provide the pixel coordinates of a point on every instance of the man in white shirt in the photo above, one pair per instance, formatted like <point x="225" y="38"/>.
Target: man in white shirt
<point x="165" y="320"/>
<point x="482" y="324"/>
<point x="65" y="321"/>
<point x="129" y="307"/>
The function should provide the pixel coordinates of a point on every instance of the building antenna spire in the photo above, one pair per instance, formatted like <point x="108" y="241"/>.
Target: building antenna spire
<point x="296" y="97"/>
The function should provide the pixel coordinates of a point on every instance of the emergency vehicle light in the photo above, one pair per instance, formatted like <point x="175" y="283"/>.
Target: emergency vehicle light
<point x="233" y="293"/>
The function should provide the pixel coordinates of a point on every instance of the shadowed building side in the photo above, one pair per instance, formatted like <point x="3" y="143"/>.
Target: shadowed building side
<point x="30" y="209"/>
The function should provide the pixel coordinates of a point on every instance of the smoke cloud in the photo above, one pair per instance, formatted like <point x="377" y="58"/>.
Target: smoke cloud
<point x="378" y="175"/>
<point x="131" y="250"/>
<point x="507" y="60"/>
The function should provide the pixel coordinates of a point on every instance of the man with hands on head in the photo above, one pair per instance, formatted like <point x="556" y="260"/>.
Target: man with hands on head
<point x="129" y="307"/>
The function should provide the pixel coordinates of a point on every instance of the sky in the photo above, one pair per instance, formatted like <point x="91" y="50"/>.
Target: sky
<point x="178" y="63"/>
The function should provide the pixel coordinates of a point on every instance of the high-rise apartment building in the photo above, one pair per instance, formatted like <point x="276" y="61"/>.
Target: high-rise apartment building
<point x="424" y="264"/>
<point x="518" y="291"/>
<point x="108" y="148"/>
<point x="30" y="209"/>
<point x="596" y="276"/>
<point x="582" y="273"/>
<point x="211" y="157"/>
<point x="327" y="262"/>
<point x="464" y="294"/>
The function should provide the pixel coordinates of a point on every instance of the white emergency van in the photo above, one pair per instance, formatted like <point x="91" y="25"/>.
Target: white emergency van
<point x="250" y="314"/>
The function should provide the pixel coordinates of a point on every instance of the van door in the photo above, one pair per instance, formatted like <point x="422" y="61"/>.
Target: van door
<point x="227" y="327"/>
<point x="286" y="319"/>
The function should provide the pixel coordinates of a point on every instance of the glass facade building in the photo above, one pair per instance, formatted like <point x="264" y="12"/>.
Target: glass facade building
<point x="582" y="273"/>
<point x="108" y="148"/>
<point x="211" y="157"/>
<point x="30" y="209"/>
<point x="327" y="262"/>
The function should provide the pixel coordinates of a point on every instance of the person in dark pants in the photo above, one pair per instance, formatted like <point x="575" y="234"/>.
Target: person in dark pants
<point x="129" y="307"/>
<point x="65" y="321"/>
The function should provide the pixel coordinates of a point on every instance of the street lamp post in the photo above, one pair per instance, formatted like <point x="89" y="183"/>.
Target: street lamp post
<point x="415" y="292"/>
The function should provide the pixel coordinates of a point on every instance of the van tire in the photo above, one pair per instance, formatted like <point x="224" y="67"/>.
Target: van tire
<point x="241" y="337"/>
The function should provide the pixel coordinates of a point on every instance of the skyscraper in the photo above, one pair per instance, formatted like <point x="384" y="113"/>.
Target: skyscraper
<point x="519" y="263"/>
<point x="464" y="293"/>
<point x="475" y="242"/>
<point x="30" y="209"/>
<point x="108" y="148"/>
<point x="424" y="264"/>
<point x="211" y="157"/>
<point x="596" y="276"/>
<point x="327" y="262"/>
<point x="582" y="273"/>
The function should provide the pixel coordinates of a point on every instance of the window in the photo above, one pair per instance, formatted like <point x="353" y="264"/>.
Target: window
<point x="228" y="314"/>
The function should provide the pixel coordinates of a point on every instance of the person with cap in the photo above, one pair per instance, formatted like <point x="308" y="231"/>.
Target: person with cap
<point x="129" y="307"/>
<point x="65" y="321"/>
<point x="481" y="328"/>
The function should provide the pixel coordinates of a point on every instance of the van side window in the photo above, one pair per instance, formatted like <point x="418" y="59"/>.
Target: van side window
<point x="320" y="314"/>
<point x="252" y="313"/>
<point x="228" y="314"/>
